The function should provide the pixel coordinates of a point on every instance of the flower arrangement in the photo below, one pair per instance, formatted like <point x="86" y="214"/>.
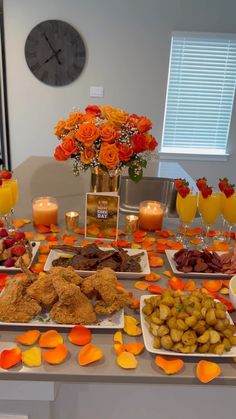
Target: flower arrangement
<point x="105" y="137"/>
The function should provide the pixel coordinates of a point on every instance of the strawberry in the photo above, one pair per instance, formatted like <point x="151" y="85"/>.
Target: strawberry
<point x="8" y="242"/>
<point x="201" y="183"/>
<point x="18" y="235"/>
<point x="223" y="183"/>
<point x="184" y="191"/>
<point x="0" y="182"/>
<point x="229" y="190"/>
<point x="5" y="174"/>
<point x="3" y="232"/>
<point x="207" y="191"/>
<point x="178" y="183"/>
<point x="9" y="263"/>
<point x="18" y="250"/>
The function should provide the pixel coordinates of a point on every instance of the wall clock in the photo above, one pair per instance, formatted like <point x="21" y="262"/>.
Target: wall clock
<point x="55" y="52"/>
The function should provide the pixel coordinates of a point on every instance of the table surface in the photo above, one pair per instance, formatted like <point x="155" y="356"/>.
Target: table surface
<point x="107" y="369"/>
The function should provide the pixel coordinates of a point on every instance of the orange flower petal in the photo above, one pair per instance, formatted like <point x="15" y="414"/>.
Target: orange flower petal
<point x="212" y="285"/>
<point x="160" y="248"/>
<point x="56" y="355"/>
<point x="28" y="338"/>
<point x="51" y="237"/>
<point x="85" y="243"/>
<point x="167" y="273"/>
<point x="118" y="338"/>
<point x="134" y="348"/>
<point x="42" y="228"/>
<point x="190" y="285"/>
<point x="32" y="357"/>
<point x="155" y="289"/>
<point x="206" y="371"/>
<point x="29" y="235"/>
<point x="152" y="277"/>
<point x="131" y="326"/>
<point x="88" y="354"/>
<point x="44" y="249"/>
<point x="155" y="261"/>
<point x="39" y="237"/>
<point x="176" y="283"/>
<point x="37" y="268"/>
<point x="80" y="335"/>
<point x="10" y="357"/>
<point x="127" y="360"/>
<point x="50" y="339"/>
<point x="80" y="230"/>
<point x="135" y="304"/>
<point x="54" y="228"/>
<point x="141" y="285"/>
<point x="42" y="258"/>
<point x="170" y="365"/>
<point x="20" y="223"/>
<point x="121" y="243"/>
<point x="135" y="246"/>
<point x="118" y="347"/>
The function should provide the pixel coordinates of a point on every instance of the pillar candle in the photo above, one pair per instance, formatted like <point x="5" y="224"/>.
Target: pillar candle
<point x="151" y="215"/>
<point x="45" y="211"/>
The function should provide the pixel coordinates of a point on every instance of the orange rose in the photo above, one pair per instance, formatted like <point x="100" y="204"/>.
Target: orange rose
<point x="109" y="156"/>
<point x="87" y="134"/>
<point x="125" y="151"/>
<point x="87" y="117"/>
<point x="69" y="146"/>
<point x="73" y="120"/>
<point x="152" y="142"/>
<point x="93" y="109"/>
<point x="60" y="128"/>
<point x="59" y="154"/>
<point x="108" y="133"/>
<point x="115" y="116"/>
<point x="87" y="155"/>
<point x="144" y="124"/>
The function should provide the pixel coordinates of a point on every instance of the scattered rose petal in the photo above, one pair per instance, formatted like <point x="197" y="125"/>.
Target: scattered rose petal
<point x="167" y="273"/>
<point x="190" y="285"/>
<point x="155" y="289"/>
<point x="155" y="261"/>
<point x="135" y="304"/>
<point x="131" y="326"/>
<point x="88" y="354"/>
<point x="20" y="223"/>
<point x="44" y="249"/>
<point x="134" y="347"/>
<point x="32" y="357"/>
<point x="10" y="357"/>
<point x="141" y="285"/>
<point x="42" y="228"/>
<point x="127" y="360"/>
<point x="54" y="228"/>
<point x="50" y="339"/>
<point x="152" y="277"/>
<point x="28" y="338"/>
<point x="176" y="283"/>
<point x="169" y="365"/>
<point x="39" y="237"/>
<point x="42" y="258"/>
<point x="118" y="348"/>
<point x="206" y="371"/>
<point x="212" y="285"/>
<point x="80" y="335"/>
<point x="224" y="291"/>
<point x="37" y="268"/>
<point x="118" y="338"/>
<point x="56" y="355"/>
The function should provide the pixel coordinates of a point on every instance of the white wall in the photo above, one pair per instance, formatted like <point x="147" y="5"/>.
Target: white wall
<point x="128" y="52"/>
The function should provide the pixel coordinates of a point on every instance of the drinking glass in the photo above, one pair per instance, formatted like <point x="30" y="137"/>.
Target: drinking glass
<point x="209" y="209"/>
<point x="186" y="208"/>
<point x="13" y="184"/>
<point x="6" y="203"/>
<point x="229" y="212"/>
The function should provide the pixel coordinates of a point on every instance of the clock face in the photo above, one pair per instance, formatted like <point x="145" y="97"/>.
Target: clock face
<point x="55" y="52"/>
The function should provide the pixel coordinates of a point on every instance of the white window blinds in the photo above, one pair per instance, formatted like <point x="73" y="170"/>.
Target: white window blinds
<point x="200" y="94"/>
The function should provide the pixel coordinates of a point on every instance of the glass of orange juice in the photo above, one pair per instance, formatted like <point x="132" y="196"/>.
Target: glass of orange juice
<point x="13" y="184"/>
<point x="229" y="211"/>
<point x="6" y="202"/>
<point x="186" y="208"/>
<point x="209" y="208"/>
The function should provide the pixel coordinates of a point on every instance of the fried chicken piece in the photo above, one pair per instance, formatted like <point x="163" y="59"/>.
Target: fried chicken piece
<point x="73" y="306"/>
<point x="15" y="305"/>
<point x="67" y="273"/>
<point x="87" y="286"/>
<point x="43" y="291"/>
<point x="104" y="309"/>
<point x="104" y="282"/>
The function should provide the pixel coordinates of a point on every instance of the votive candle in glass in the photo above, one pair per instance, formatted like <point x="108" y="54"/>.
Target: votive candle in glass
<point x="131" y="224"/>
<point x="151" y="214"/>
<point x="45" y="210"/>
<point x="72" y="220"/>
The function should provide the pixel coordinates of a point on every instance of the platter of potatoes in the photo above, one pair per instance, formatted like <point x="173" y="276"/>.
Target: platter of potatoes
<point x="190" y="324"/>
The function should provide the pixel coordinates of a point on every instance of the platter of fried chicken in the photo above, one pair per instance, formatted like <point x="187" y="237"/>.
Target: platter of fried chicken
<point x="61" y="298"/>
<point x="127" y="263"/>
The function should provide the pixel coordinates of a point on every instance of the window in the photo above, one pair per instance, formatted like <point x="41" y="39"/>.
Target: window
<point x="200" y="94"/>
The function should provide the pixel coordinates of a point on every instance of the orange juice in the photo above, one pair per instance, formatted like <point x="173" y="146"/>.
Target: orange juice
<point x="210" y="208"/>
<point x="14" y="190"/>
<point x="187" y="208"/>
<point x="229" y="209"/>
<point x="5" y="199"/>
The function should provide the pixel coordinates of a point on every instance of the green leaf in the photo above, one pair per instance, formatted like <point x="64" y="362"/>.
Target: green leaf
<point x="143" y="163"/>
<point x="135" y="175"/>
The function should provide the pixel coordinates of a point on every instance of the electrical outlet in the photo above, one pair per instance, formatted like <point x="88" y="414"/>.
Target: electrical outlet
<point x="96" y="91"/>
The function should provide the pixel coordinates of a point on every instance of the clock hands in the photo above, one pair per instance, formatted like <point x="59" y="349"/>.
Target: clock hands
<point x="52" y="56"/>
<point x="53" y="50"/>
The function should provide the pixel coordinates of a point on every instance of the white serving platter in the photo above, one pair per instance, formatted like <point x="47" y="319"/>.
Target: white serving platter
<point x="115" y="321"/>
<point x="35" y="249"/>
<point x="145" y="268"/>
<point x="176" y="272"/>
<point x="148" y="340"/>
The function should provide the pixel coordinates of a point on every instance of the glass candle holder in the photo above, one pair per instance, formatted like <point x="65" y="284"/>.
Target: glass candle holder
<point x="45" y="210"/>
<point x="72" y="220"/>
<point x="151" y="214"/>
<point x="131" y="224"/>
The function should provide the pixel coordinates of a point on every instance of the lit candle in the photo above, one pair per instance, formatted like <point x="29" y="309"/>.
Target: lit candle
<point x="45" y="211"/>
<point x="131" y="224"/>
<point x="72" y="220"/>
<point x="151" y="215"/>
